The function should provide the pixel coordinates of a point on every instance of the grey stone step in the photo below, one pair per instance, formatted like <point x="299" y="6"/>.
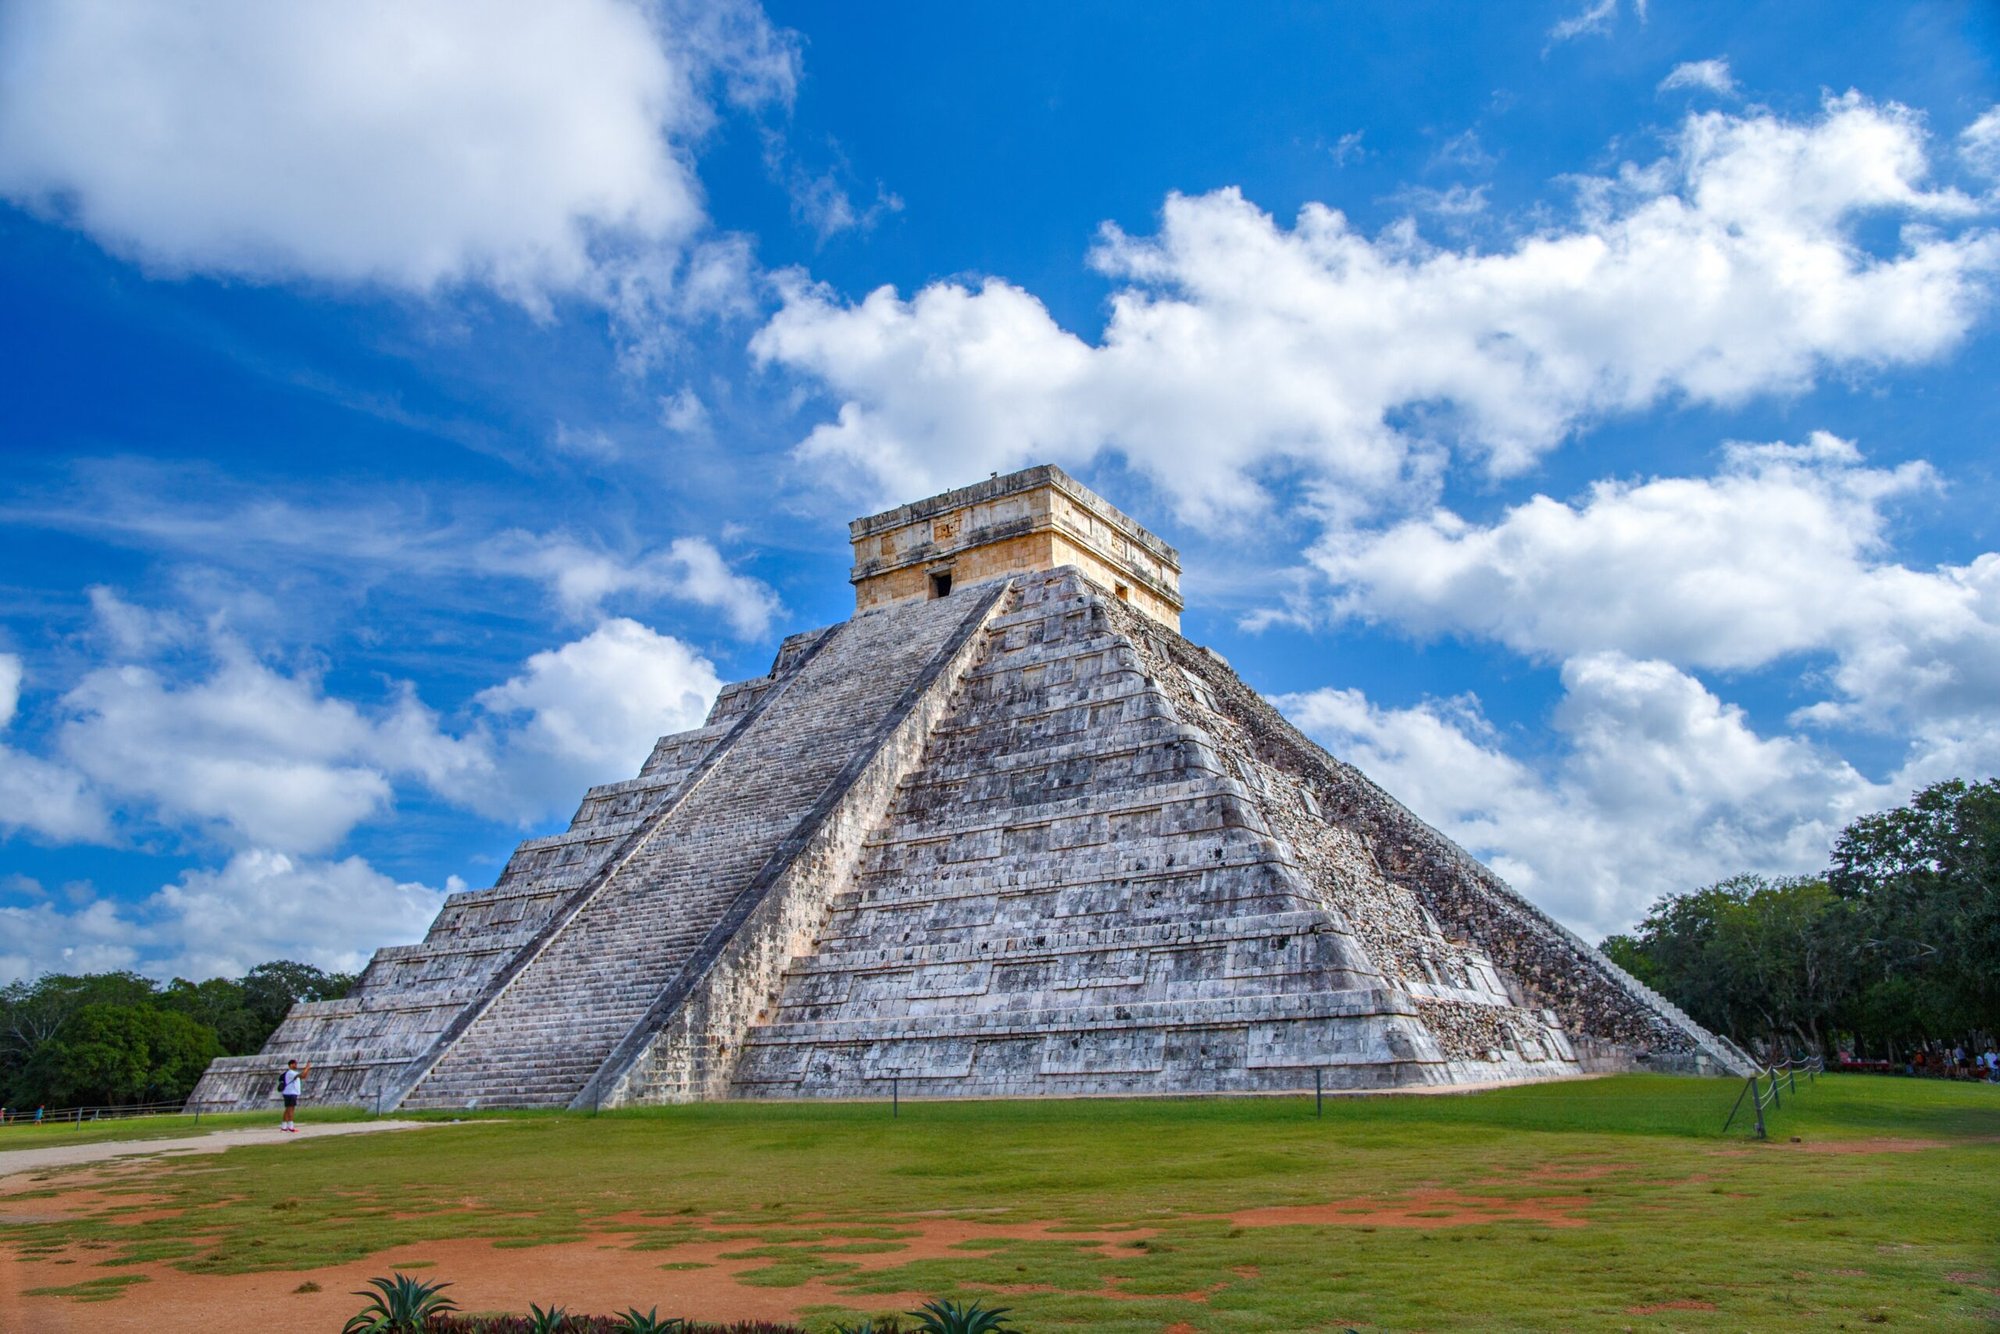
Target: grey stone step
<point x="596" y="978"/>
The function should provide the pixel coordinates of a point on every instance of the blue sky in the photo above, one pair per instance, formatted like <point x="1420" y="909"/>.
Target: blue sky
<point x="1578" y="415"/>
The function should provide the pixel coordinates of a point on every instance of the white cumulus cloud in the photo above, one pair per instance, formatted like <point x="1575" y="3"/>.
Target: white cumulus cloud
<point x="38" y="797"/>
<point x="259" y="757"/>
<point x="248" y="754"/>
<point x="541" y="149"/>
<point x="589" y="713"/>
<point x="11" y="672"/>
<point x="263" y="905"/>
<point x="44" y="936"/>
<point x="688" y="569"/>
<point x="1658" y="787"/>
<point x="1238" y="349"/>
<point x="1782" y="552"/>
<point x="1979" y="142"/>
<point x="259" y="906"/>
<point x="266" y="762"/>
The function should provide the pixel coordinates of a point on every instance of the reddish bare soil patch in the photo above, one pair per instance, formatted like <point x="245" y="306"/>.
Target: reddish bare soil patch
<point x="1421" y="1209"/>
<point x="584" y="1276"/>
<point x="599" y="1273"/>
<point x="95" y="1196"/>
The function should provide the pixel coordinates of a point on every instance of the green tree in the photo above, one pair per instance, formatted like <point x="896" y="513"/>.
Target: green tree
<point x="1679" y="941"/>
<point x="116" y="1054"/>
<point x="1786" y="959"/>
<point x="1757" y="959"/>
<point x="1924" y="883"/>
<point x="120" y="1037"/>
<point x="271" y="989"/>
<point x="223" y="1005"/>
<point x="32" y="1013"/>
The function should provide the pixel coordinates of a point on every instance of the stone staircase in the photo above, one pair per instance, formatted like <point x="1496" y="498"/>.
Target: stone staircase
<point x="409" y="995"/>
<point x="542" y="1038"/>
<point x="1074" y="893"/>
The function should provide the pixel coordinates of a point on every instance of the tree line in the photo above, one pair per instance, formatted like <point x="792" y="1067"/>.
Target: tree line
<point x="1894" y="950"/>
<point x="115" y="1039"/>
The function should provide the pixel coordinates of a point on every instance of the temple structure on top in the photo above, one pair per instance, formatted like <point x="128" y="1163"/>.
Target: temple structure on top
<point x="1003" y="832"/>
<point x="1035" y="519"/>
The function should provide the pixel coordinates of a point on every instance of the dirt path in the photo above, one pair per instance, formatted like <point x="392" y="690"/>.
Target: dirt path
<point x="13" y="1162"/>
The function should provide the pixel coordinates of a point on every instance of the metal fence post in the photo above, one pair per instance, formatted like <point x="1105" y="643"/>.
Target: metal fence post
<point x="1735" y="1107"/>
<point x="1319" y="1094"/>
<point x="895" y="1096"/>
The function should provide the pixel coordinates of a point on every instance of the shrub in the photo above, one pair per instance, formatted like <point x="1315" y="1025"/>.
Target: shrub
<point x="942" y="1317"/>
<point x="399" y="1305"/>
<point x="552" y="1321"/>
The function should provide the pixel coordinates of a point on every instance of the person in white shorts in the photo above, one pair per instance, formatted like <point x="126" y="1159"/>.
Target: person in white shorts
<point x="288" y="1085"/>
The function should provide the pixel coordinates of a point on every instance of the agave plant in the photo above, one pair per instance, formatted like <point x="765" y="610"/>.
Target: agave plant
<point x="943" y="1317"/>
<point x="552" y="1321"/>
<point x="398" y="1305"/>
<point x="649" y="1323"/>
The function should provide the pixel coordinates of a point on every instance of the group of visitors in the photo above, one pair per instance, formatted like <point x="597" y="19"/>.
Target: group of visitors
<point x="7" y="1115"/>
<point x="1965" y="1063"/>
<point x="1957" y="1062"/>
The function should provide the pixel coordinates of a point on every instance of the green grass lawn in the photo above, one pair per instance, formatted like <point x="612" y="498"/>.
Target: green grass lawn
<point x="1665" y="1211"/>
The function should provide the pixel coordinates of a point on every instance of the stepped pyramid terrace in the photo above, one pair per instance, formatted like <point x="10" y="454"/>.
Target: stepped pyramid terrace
<point x="1005" y="832"/>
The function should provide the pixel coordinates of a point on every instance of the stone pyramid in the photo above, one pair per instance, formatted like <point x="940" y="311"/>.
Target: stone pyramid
<point x="1004" y="832"/>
